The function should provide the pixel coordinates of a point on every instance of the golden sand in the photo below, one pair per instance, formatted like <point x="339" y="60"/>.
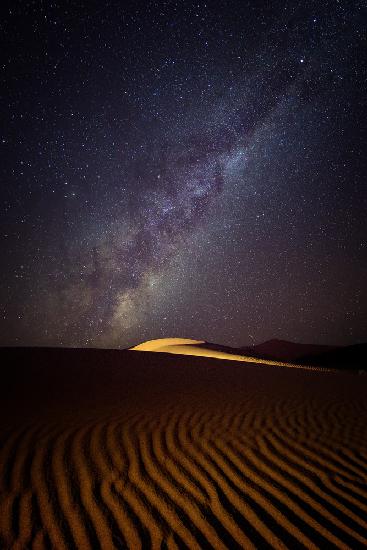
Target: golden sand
<point x="199" y="348"/>
<point x="125" y="450"/>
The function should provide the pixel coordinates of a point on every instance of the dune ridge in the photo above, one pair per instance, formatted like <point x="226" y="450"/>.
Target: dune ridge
<point x="200" y="348"/>
<point x="267" y="465"/>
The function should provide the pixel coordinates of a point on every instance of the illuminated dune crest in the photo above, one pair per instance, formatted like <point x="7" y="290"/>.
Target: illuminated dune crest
<point x="165" y="344"/>
<point x="185" y="346"/>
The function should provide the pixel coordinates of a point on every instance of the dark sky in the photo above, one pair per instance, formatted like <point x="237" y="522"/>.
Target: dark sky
<point x="193" y="169"/>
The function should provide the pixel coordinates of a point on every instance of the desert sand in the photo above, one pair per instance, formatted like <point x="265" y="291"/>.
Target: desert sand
<point x="119" y="449"/>
<point x="185" y="346"/>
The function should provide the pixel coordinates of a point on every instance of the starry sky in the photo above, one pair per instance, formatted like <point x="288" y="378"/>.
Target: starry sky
<point x="177" y="168"/>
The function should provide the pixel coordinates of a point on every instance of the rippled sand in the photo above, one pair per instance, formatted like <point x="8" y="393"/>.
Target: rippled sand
<point x="107" y="449"/>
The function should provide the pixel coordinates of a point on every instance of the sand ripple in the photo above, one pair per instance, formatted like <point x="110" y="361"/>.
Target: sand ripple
<point x="281" y="476"/>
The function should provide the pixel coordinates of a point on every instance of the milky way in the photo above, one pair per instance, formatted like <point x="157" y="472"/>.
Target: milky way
<point x="183" y="169"/>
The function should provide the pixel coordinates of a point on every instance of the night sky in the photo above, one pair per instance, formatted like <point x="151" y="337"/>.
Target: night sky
<point x="193" y="169"/>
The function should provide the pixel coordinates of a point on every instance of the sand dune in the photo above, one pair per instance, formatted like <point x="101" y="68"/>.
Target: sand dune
<point x="200" y="348"/>
<point x="108" y="449"/>
<point x="166" y="344"/>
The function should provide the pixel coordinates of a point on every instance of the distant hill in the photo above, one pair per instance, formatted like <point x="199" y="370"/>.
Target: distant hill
<point x="283" y="350"/>
<point x="348" y="357"/>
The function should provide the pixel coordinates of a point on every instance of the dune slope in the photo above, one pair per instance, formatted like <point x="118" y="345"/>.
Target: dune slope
<point x="109" y="449"/>
<point x="200" y="348"/>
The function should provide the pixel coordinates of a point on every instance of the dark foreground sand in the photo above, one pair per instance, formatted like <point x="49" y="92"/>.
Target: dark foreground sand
<point x="108" y="449"/>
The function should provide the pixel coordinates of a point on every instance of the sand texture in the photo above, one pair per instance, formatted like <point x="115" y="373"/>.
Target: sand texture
<point x="109" y="449"/>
